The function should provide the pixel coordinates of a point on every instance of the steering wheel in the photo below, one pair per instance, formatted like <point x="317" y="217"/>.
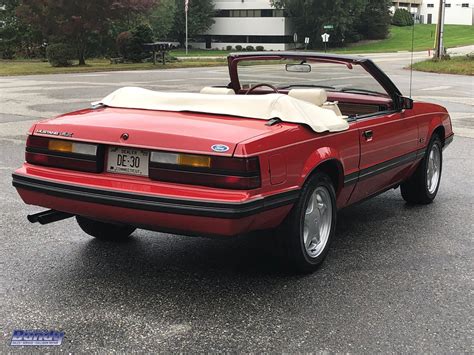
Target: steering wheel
<point x="252" y="89"/>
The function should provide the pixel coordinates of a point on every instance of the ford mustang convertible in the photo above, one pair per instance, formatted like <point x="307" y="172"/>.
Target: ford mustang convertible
<point x="292" y="138"/>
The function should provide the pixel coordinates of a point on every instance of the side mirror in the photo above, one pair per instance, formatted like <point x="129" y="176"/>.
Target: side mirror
<point x="406" y="103"/>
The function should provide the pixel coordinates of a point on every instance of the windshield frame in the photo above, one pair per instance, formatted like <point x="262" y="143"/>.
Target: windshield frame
<point x="369" y="66"/>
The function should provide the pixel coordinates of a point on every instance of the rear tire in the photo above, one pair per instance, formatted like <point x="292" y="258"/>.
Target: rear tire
<point x="310" y="227"/>
<point x="422" y="187"/>
<point x="104" y="230"/>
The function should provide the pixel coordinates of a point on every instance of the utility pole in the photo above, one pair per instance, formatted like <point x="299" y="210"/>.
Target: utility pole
<point x="186" y="8"/>
<point x="440" y="30"/>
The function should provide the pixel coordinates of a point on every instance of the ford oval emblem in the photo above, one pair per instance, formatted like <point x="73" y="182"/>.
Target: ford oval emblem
<point x="220" y="148"/>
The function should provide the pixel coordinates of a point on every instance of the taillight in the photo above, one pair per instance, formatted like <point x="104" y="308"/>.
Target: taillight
<point x="64" y="154"/>
<point x="213" y="171"/>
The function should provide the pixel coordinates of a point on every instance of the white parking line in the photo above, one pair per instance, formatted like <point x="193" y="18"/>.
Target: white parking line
<point x="436" y="88"/>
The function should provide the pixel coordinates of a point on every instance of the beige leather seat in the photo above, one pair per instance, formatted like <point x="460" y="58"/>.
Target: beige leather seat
<point x="317" y="97"/>
<point x="211" y="90"/>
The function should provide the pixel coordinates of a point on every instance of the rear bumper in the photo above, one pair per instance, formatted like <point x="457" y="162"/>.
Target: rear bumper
<point x="158" y="212"/>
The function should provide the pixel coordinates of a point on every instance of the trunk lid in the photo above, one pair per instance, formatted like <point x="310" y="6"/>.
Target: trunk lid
<point x="162" y="130"/>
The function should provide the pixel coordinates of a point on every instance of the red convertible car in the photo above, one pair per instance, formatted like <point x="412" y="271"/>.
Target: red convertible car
<point x="291" y="139"/>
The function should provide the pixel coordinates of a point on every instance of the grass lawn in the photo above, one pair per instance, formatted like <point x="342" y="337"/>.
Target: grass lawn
<point x="200" y="53"/>
<point x="30" y="67"/>
<point x="400" y="39"/>
<point x="457" y="65"/>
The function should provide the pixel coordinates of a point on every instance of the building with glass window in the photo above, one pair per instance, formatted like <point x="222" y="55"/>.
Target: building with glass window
<point x="457" y="12"/>
<point x="247" y="23"/>
<point x="256" y="23"/>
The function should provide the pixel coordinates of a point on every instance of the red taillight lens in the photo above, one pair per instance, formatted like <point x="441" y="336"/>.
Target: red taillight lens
<point x="64" y="154"/>
<point x="220" y="172"/>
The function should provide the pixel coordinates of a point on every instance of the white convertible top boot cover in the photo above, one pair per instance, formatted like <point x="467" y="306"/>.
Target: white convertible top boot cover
<point x="263" y="107"/>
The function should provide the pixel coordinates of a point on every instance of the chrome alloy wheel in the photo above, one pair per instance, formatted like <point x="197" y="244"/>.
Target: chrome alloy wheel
<point x="317" y="221"/>
<point x="433" y="169"/>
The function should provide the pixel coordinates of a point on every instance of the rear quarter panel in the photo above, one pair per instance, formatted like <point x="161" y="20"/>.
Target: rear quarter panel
<point x="298" y="150"/>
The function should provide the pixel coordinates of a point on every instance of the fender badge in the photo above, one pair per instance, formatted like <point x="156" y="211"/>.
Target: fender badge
<point x="54" y="133"/>
<point x="220" y="148"/>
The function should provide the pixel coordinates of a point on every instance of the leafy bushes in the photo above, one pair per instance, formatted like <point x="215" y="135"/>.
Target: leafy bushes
<point x="7" y="53"/>
<point x="130" y="43"/>
<point x="60" y="54"/>
<point x="140" y="34"/>
<point x="249" y="48"/>
<point x="259" y="48"/>
<point x="122" y="42"/>
<point x="238" y="47"/>
<point x="402" y="17"/>
<point x="229" y="48"/>
<point x="373" y="23"/>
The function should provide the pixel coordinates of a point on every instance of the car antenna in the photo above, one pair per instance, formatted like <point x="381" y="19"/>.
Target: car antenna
<point x="412" y="48"/>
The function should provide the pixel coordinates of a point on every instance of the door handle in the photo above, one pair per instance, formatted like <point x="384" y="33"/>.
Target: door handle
<point x="368" y="135"/>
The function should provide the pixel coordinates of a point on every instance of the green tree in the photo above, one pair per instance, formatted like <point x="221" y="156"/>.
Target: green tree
<point x="77" y="21"/>
<point x="16" y="37"/>
<point x="162" y="19"/>
<point x="200" y="18"/>
<point x="374" y="22"/>
<point x="402" y="17"/>
<point x="309" y="17"/>
<point x="139" y="35"/>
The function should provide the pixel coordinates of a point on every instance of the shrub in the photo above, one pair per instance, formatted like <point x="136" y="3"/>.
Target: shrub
<point x="139" y="35"/>
<point x="123" y="42"/>
<point x="402" y="17"/>
<point x="238" y="47"/>
<point x="130" y="43"/>
<point x="249" y="48"/>
<point x="229" y="48"/>
<point x="8" y="53"/>
<point x="259" y="48"/>
<point x="60" y="54"/>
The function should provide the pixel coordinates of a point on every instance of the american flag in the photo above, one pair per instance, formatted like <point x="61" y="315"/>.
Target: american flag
<point x="186" y="5"/>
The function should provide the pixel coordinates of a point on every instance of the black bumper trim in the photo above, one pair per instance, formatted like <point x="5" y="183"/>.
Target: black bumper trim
<point x="153" y="203"/>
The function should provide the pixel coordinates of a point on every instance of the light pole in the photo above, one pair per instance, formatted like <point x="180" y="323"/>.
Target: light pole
<point x="186" y="8"/>
<point x="440" y="30"/>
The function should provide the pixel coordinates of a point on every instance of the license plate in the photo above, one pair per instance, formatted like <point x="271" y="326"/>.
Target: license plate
<point x="128" y="161"/>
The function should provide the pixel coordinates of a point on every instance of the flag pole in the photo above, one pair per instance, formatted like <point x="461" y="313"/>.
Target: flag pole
<point x="186" y="2"/>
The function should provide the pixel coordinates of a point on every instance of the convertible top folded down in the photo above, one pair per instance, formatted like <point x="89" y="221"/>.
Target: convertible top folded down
<point x="263" y="107"/>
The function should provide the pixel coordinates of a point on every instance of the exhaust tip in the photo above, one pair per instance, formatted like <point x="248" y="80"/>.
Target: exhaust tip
<point x="48" y="216"/>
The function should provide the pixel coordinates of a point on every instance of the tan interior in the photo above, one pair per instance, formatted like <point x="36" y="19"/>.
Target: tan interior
<point x="317" y="97"/>
<point x="211" y="90"/>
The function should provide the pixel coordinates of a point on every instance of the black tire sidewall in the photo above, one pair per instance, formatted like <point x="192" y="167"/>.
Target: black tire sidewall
<point x="297" y="248"/>
<point x="434" y="140"/>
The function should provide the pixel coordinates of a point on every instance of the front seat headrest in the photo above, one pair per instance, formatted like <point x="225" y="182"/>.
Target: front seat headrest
<point x="315" y="96"/>
<point x="212" y="90"/>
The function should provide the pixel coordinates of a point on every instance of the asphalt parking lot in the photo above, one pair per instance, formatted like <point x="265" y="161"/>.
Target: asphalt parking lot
<point x="398" y="278"/>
